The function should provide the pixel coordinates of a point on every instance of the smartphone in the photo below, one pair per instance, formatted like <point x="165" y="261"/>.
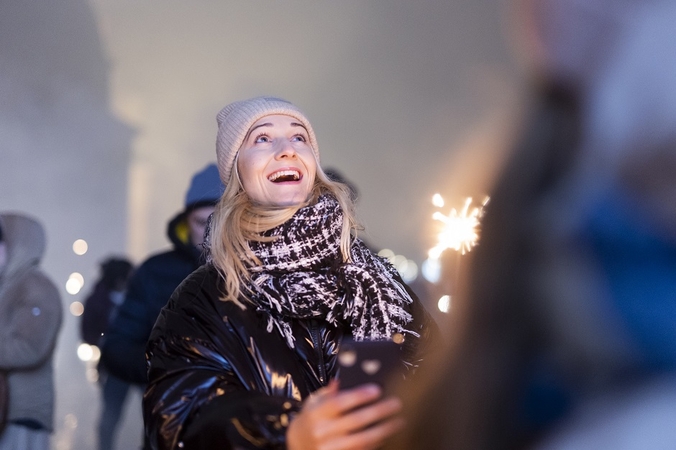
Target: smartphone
<point x="362" y="362"/>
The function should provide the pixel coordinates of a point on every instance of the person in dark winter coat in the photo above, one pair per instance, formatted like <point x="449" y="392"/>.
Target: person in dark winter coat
<point x="150" y="287"/>
<point x="102" y="303"/>
<point x="30" y="319"/>
<point x="244" y="355"/>
<point x="100" y="309"/>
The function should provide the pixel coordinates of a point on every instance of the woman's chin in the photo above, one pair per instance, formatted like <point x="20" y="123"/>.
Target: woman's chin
<point x="284" y="202"/>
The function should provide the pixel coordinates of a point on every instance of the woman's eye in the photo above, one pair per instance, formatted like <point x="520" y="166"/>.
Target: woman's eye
<point x="298" y="138"/>
<point x="261" y="139"/>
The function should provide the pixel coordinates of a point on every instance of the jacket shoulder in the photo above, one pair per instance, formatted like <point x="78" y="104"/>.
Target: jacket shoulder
<point x="201" y="285"/>
<point x="38" y="286"/>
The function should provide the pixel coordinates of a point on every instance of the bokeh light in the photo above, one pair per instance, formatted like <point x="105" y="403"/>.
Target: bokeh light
<point x="80" y="247"/>
<point x="387" y="254"/>
<point x="75" y="283"/>
<point x="84" y="352"/>
<point x="444" y="303"/>
<point x="407" y="268"/>
<point x="431" y="270"/>
<point x="76" y="309"/>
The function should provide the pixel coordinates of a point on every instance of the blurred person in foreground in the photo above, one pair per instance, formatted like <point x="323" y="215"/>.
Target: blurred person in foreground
<point x="100" y="309"/>
<point x="565" y="336"/>
<point x="30" y="318"/>
<point x="151" y="285"/>
<point x="244" y="355"/>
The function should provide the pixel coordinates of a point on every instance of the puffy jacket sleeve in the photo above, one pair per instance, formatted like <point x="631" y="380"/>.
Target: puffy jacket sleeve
<point x="203" y="390"/>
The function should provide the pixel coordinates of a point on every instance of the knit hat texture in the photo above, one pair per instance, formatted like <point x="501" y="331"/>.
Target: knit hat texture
<point x="205" y="188"/>
<point x="235" y="120"/>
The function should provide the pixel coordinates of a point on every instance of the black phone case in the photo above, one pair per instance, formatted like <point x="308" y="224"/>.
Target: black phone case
<point x="362" y="362"/>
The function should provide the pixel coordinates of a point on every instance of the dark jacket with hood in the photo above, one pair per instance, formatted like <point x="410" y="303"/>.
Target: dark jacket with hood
<point x="219" y="379"/>
<point x="149" y="289"/>
<point x="30" y="318"/>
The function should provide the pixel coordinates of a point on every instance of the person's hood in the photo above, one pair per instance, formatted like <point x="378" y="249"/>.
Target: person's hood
<point x="25" y="241"/>
<point x="178" y="232"/>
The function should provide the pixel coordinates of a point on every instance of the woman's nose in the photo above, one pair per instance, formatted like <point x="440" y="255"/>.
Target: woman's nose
<point x="285" y="150"/>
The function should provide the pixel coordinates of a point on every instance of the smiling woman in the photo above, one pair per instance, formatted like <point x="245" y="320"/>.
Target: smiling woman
<point x="246" y="339"/>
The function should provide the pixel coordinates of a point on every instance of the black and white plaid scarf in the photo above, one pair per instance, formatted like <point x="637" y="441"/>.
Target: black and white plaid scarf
<point x="302" y="276"/>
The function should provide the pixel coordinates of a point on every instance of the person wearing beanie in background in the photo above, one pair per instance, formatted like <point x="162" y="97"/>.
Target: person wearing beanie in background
<point x="30" y="319"/>
<point x="151" y="285"/>
<point x="246" y="339"/>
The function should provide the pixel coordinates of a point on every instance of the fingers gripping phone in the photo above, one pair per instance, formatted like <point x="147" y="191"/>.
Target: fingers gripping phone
<point x="362" y="362"/>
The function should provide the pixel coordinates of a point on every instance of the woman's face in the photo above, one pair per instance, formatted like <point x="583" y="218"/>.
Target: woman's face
<point x="276" y="164"/>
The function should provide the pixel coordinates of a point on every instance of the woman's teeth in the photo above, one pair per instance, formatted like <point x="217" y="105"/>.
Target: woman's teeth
<point x="284" y="175"/>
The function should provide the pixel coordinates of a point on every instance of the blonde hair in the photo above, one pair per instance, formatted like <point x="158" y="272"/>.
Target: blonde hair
<point x="237" y="220"/>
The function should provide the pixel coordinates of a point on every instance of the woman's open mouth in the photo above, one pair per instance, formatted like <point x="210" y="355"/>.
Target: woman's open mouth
<point x="285" y="175"/>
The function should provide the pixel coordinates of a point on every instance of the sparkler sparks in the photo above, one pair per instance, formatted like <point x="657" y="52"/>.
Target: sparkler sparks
<point x="460" y="231"/>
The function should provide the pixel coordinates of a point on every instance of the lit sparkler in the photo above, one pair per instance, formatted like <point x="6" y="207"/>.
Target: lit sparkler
<point x="460" y="231"/>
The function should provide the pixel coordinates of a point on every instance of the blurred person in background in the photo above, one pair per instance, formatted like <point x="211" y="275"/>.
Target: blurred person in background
<point x="30" y="319"/>
<point x="244" y="355"/>
<point x="100" y="309"/>
<point x="152" y="283"/>
<point x="565" y="335"/>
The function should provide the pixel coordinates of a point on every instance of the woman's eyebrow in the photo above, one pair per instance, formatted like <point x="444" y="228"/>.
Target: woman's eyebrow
<point x="266" y="124"/>
<point x="294" y="124"/>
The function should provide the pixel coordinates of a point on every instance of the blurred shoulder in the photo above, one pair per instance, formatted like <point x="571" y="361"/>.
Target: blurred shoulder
<point x="37" y="284"/>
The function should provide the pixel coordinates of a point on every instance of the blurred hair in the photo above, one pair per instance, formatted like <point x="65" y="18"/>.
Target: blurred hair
<point x="469" y="397"/>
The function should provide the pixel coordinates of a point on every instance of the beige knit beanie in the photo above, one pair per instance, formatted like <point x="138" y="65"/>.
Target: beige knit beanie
<point x="235" y="120"/>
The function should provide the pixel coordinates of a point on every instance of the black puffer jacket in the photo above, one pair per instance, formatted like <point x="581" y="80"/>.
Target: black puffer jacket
<point x="219" y="380"/>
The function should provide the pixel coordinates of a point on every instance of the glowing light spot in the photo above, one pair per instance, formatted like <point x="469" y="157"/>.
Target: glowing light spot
<point x="85" y="352"/>
<point x="76" y="309"/>
<point x="460" y="229"/>
<point x="438" y="200"/>
<point x="96" y="353"/>
<point x="80" y="247"/>
<point x="410" y="272"/>
<point x="73" y="286"/>
<point x="431" y="270"/>
<point x="75" y="283"/>
<point x="400" y="262"/>
<point x="77" y="276"/>
<point x="444" y="303"/>
<point x="387" y="254"/>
